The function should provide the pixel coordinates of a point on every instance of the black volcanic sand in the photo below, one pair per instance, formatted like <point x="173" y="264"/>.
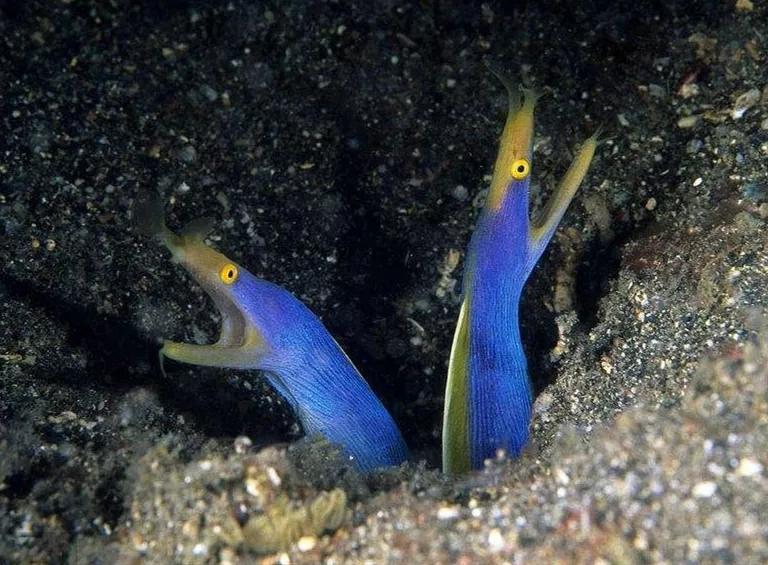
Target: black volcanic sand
<point x="345" y="149"/>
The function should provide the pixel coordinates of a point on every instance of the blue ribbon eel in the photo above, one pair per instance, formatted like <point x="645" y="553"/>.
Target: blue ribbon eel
<point x="265" y="327"/>
<point x="488" y="395"/>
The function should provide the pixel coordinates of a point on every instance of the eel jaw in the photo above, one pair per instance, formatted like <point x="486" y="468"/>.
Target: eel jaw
<point x="240" y="344"/>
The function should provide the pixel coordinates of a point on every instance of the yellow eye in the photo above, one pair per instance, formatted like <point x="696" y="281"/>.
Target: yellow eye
<point x="228" y="273"/>
<point x="520" y="169"/>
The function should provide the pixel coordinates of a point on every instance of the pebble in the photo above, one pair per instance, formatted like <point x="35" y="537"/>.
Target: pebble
<point x="495" y="540"/>
<point x="448" y="513"/>
<point x="748" y="468"/>
<point x="274" y="477"/>
<point x="687" y="122"/>
<point x="242" y="444"/>
<point x="744" y="102"/>
<point x="657" y="91"/>
<point x="694" y="145"/>
<point x="306" y="543"/>
<point x="187" y="154"/>
<point x="460" y="192"/>
<point x="210" y="94"/>
<point x="704" y="489"/>
<point x="200" y="550"/>
<point x="252" y="487"/>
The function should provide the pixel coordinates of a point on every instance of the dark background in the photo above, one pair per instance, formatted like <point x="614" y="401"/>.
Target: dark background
<point x="343" y="145"/>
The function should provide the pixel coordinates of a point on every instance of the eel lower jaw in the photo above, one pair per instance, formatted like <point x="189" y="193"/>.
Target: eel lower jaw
<point x="240" y="344"/>
<point x="210" y="355"/>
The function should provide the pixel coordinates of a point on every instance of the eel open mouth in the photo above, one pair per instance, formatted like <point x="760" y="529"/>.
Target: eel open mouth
<point x="240" y="344"/>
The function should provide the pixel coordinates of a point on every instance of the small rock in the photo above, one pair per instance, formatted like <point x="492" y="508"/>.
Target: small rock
<point x="744" y="102"/>
<point x="657" y="91"/>
<point x="704" y="489"/>
<point x="460" y="192"/>
<point x="274" y="477"/>
<point x="689" y="90"/>
<point x="200" y="550"/>
<point x="306" y="543"/>
<point x="447" y="512"/>
<point x="495" y="540"/>
<point x="693" y="146"/>
<point x="210" y="94"/>
<point x="748" y="468"/>
<point x="187" y="154"/>
<point x="687" y="122"/>
<point x="242" y="444"/>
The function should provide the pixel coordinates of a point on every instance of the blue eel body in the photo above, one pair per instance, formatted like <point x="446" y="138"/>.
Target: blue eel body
<point x="500" y="393"/>
<point x="309" y="369"/>
<point x="488" y="396"/>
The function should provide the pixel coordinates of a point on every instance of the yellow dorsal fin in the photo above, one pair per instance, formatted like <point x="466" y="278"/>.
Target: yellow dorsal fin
<point x="456" y="456"/>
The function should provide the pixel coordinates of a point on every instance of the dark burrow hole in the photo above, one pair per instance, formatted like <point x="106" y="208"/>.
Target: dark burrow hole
<point x="600" y="264"/>
<point x="539" y="334"/>
<point x="110" y="497"/>
<point x="20" y="484"/>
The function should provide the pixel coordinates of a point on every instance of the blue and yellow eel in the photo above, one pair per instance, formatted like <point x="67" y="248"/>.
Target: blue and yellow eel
<point x="488" y="393"/>
<point x="264" y="327"/>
